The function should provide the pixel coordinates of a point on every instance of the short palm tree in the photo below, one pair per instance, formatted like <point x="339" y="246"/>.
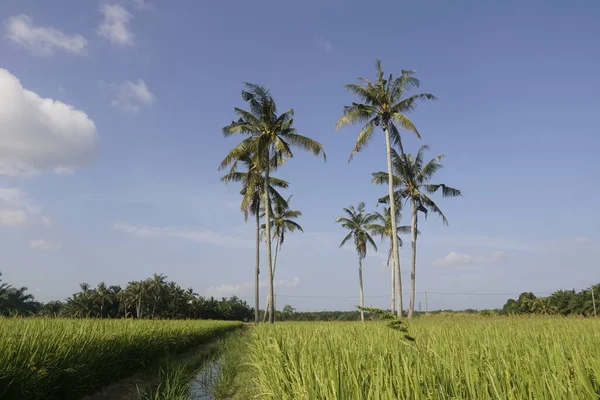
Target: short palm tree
<point x="357" y="221"/>
<point x="383" y="228"/>
<point x="384" y="104"/>
<point x="270" y="139"/>
<point x="412" y="178"/>
<point x="282" y="221"/>
<point x="252" y="184"/>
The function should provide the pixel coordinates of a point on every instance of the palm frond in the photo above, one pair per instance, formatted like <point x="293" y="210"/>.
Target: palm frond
<point x="306" y="143"/>
<point x="354" y="114"/>
<point x="446" y="191"/>
<point x="365" y="134"/>
<point x="409" y="104"/>
<point x="244" y="148"/>
<point x="346" y="238"/>
<point x="365" y="93"/>
<point x="430" y="204"/>
<point x="405" y="123"/>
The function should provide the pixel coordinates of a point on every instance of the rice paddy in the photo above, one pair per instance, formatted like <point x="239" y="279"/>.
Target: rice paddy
<point x="69" y="358"/>
<point x="452" y="358"/>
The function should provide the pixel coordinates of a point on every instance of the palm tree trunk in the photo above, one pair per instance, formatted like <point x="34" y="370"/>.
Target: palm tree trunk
<point x="362" y="294"/>
<point x="257" y="270"/>
<point x="392" y="287"/>
<point x="267" y="203"/>
<point x="395" y="251"/>
<point x="272" y="277"/>
<point x="413" y="259"/>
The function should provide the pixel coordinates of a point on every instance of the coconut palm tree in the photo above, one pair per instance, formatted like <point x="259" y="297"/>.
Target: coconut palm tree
<point x="156" y="286"/>
<point x="252" y="183"/>
<point x="282" y="222"/>
<point x="384" y="104"/>
<point x="357" y="221"/>
<point x="384" y="229"/>
<point x="104" y="296"/>
<point x="270" y="139"/>
<point x="412" y="179"/>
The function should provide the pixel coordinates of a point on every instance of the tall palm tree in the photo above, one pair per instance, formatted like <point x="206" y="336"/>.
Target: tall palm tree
<point x="270" y="138"/>
<point x="383" y="228"/>
<point x="412" y="178"/>
<point x="104" y="296"/>
<point x="252" y="183"/>
<point x="384" y="103"/>
<point x="282" y="221"/>
<point x="156" y="285"/>
<point x="357" y="222"/>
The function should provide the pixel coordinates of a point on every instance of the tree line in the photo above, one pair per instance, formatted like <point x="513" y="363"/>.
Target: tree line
<point x="561" y="302"/>
<point x="152" y="298"/>
<point x="268" y="140"/>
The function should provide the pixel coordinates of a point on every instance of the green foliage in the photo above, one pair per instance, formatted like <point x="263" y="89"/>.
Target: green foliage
<point x="67" y="358"/>
<point x="411" y="178"/>
<point x="561" y="302"/>
<point x="357" y="221"/>
<point x="392" y="320"/>
<point x="16" y="301"/>
<point x="154" y="298"/>
<point x="383" y="103"/>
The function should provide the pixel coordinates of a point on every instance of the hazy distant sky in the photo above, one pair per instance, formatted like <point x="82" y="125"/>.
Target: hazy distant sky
<point x="110" y="137"/>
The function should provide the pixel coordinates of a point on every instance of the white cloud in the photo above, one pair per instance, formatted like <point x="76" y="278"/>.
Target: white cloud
<point x="42" y="41"/>
<point x="41" y="244"/>
<point x="454" y="259"/>
<point x="130" y="97"/>
<point x="505" y="243"/>
<point x="195" y="236"/>
<point x="237" y="289"/>
<point x="13" y="218"/>
<point x="325" y="45"/>
<point x="60" y="170"/>
<point x="142" y="4"/>
<point x="17" y="210"/>
<point x="115" y="25"/>
<point x="581" y="239"/>
<point x="40" y="134"/>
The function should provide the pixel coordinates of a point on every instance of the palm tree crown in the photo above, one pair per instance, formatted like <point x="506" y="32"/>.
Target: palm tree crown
<point x="252" y="181"/>
<point x="271" y="136"/>
<point x="383" y="227"/>
<point x="412" y="178"/>
<point x="283" y="220"/>
<point x="357" y="222"/>
<point x="384" y="104"/>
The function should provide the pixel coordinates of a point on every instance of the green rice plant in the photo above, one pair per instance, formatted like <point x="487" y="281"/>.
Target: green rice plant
<point x="69" y="358"/>
<point x="173" y="385"/>
<point x="453" y="358"/>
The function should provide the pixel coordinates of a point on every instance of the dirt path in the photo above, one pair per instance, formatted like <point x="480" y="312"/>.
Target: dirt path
<point x="127" y="388"/>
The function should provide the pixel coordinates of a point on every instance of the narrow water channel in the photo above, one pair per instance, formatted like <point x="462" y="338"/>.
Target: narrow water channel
<point x="202" y="384"/>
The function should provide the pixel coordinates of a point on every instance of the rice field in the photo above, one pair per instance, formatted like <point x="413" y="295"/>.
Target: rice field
<point x="452" y="358"/>
<point x="69" y="358"/>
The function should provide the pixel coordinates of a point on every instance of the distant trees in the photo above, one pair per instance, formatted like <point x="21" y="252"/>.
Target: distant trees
<point x="561" y="302"/>
<point x="154" y="297"/>
<point x="16" y="301"/>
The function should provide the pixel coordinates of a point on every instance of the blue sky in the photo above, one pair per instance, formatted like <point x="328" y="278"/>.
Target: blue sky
<point x="116" y="176"/>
